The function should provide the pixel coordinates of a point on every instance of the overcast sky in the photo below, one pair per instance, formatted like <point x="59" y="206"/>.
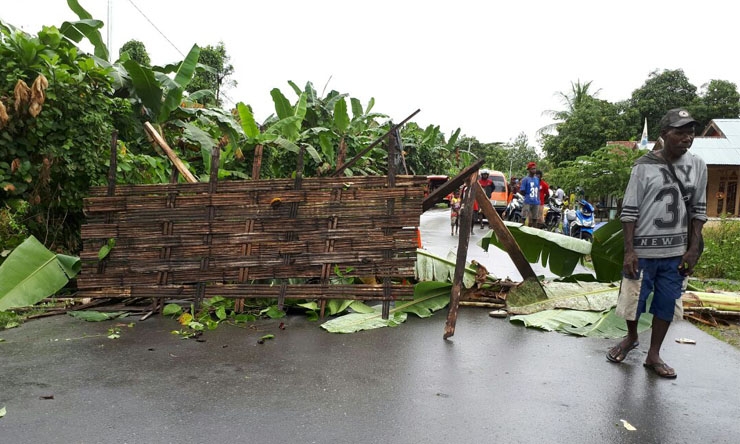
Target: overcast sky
<point x="489" y="68"/>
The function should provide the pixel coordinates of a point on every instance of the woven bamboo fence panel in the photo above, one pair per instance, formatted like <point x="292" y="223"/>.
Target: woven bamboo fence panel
<point x="253" y="239"/>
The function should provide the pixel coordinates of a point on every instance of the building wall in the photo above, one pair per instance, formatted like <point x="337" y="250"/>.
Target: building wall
<point x="722" y="191"/>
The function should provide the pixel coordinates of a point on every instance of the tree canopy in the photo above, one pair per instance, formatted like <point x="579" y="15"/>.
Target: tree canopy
<point x="214" y="74"/>
<point x="587" y="123"/>
<point x="136" y="51"/>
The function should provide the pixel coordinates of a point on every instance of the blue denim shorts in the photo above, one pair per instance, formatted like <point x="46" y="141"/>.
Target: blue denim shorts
<point x="660" y="277"/>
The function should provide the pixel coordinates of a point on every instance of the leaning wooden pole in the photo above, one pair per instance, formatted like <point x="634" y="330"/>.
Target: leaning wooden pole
<point x="451" y="185"/>
<point x="504" y="235"/>
<point x="340" y="169"/>
<point x="466" y="223"/>
<point x="170" y="153"/>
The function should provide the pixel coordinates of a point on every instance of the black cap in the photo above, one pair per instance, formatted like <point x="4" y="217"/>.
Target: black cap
<point x="675" y="118"/>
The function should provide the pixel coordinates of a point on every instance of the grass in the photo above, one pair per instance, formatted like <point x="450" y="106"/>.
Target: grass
<point x="721" y="258"/>
<point x="726" y="333"/>
<point x="8" y="319"/>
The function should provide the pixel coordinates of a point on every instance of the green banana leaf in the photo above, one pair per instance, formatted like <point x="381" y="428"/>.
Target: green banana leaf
<point x="31" y="272"/>
<point x="430" y="267"/>
<point x="609" y="326"/>
<point x="588" y="296"/>
<point x="607" y="252"/>
<point x="341" y="117"/>
<point x="604" y="324"/>
<point x="582" y="323"/>
<point x="428" y="298"/>
<point x="145" y="85"/>
<point x="183" y="76"/>
<point x="354" y="322"/>
<point x="97" y="316"/>
<point x="561" y="253"/>
<point x="558" y="252"/>
<point x="86" y="27"/>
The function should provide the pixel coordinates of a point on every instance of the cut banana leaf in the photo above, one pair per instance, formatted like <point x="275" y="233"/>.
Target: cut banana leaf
<point x="607" y="252"/>
<point x="435" y="268"/>
<point x="609" y="326"/>
<point x="557" y="252"/>
<point x="31" y="273"/>
<point x="604" y="324"/>
<point x="428" y="298"/>
<point x="354" y="322"/>
<point x="590" y="296"/>
<point x="552" y="320"/>
<point x="96" y="316"/>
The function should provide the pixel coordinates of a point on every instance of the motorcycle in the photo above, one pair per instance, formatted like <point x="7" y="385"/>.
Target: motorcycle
<point x="513" y="211"/>
<point x="553" y="213"/>
<point x="580" y="222"/>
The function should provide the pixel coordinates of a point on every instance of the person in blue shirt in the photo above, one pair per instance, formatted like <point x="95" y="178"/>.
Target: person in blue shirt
<point x="529" y="187"/>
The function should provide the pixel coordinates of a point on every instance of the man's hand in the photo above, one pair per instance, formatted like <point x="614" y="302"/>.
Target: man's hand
<point x="688" y="262"/>
<point x="630" y="266"/>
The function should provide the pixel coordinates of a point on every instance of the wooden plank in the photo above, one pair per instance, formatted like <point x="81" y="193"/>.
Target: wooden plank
<point x="451" y="185"/>
<point x="503" y="234"/>
<point x="170" y="153"/>
<point x="466" y="219"/>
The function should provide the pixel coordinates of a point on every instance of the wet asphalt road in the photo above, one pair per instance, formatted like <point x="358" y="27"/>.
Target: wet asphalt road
<point x="491" y="382"/>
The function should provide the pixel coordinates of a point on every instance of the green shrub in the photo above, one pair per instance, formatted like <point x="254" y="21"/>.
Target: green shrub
<point x="12" y="229"/>
<point x="721" y="258"/>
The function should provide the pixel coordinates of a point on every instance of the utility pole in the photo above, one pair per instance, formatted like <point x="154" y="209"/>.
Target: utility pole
<point x="109" y="25"/>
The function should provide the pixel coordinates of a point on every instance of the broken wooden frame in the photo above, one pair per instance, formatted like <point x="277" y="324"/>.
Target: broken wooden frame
<point x="470" y="176"/>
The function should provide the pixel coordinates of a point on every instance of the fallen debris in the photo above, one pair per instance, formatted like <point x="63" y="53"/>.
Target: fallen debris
<point x="685" y="341"/>
<point x="498" y="314"/>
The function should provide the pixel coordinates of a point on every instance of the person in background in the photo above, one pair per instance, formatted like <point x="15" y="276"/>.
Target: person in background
<point x="487" y="184"/>
<point x="544" y="195"/>
<point x="530" y="188"/>
<point x="513" y="188"/>
<point x="455" y="205"/>
<point x="559" y="194"/>
<point x="662" y="236"/>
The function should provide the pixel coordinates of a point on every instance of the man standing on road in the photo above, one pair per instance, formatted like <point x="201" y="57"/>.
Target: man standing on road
<point x="530" y="188"/>
<point x="544" y="195"/>
<point x="662" y="235"/>
<point x="486" y="183"/>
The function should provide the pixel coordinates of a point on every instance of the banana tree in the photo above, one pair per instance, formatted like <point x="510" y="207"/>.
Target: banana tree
<point x="428" y="151"/>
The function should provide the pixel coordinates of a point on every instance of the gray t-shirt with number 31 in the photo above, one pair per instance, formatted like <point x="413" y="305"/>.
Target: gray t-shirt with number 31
<point x="654" y="202"/>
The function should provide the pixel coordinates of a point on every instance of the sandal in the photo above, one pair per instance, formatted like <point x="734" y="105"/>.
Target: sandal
<point x="661" y="369"/>
<point x="617" y="353"/>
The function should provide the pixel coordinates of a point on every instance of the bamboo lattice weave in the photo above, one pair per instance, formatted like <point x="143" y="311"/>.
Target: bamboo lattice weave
<point x="238" y="240"/>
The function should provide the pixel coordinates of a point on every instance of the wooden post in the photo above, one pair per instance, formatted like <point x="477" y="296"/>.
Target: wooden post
<point x="205" y="262"/>
<point x="257" y="163"/>
<point x="466" y="219"/>
<point x="111" y="187"/>
<point x="249" y="227"/>
<point x="391" y="208"/>
<point x="291" y="223"/>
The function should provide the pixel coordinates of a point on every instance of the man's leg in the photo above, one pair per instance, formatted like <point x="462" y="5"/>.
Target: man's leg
<point x="619" y="351"/>
<point x="660" y="329"/>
